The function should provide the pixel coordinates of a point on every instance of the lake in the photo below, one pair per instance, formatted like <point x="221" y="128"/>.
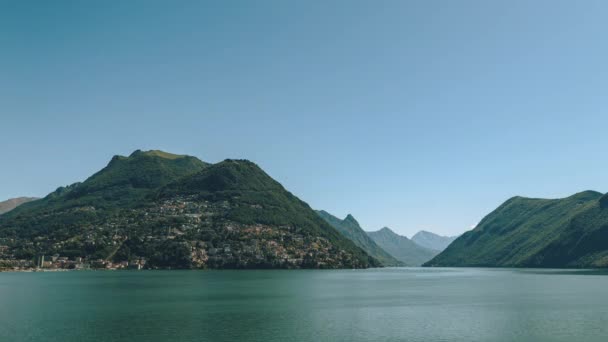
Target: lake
<point x="393" y="304"/>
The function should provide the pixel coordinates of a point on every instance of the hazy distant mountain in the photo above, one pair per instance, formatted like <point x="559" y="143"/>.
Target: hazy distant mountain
<point x="350" y="228"/>
<point x="13" y="203"/>
<point x="432" y="240"/>
<point x="532" y="232"/>
<point x="179" y="212"/>
<point x="401" y="247"/>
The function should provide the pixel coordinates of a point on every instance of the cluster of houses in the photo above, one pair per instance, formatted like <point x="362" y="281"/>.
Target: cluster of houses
<point x="57" y="262"/>
<point x="79" y="263"/>
<point x="214" y="242"/>
<point x="137" y="264"/>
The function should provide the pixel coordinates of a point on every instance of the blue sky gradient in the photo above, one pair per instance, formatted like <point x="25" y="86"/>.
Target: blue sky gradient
<point x="408" y="114"/>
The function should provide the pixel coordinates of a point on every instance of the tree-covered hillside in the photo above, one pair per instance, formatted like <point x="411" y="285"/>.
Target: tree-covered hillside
<point x="125" y="181"/>
<point x="179" y="212"/>
<point x="583" y="243"/>
<point x="528" y="232"/>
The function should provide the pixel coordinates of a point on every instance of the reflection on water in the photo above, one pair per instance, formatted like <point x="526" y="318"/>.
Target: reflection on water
<point x="565" y="271"/>
<point x="392" y="304"/>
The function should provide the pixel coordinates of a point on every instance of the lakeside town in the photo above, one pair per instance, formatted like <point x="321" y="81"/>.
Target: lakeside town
<point x="178" y="232"/>
<point x="56" y="262"/>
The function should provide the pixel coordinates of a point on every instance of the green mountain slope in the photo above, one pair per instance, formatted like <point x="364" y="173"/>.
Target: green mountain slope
<point x="532" y="232"/>
<point x="242" y="195"/>
<point x="402" y="248"/>
<point x="176" y="211"/>
<point x="350" y="228"/>
<point x="125" y="181"/>
<point x="583" y="243"/>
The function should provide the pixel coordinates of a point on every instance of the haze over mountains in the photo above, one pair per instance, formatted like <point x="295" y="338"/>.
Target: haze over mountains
<point x="13" y="203"/>
<point x="532" y="232"/>
<point x="432" y="241"/>
<point x="385" y="245"/>
<point x="177" y="211"/>
<point x="402" y="248"/>
<point x="350" y="228"/>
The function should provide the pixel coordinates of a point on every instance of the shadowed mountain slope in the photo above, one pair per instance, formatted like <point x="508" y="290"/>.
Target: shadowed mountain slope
<point x="531" y="232"/>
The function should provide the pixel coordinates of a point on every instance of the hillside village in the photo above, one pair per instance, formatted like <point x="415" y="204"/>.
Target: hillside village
<point x="186" y="232"/>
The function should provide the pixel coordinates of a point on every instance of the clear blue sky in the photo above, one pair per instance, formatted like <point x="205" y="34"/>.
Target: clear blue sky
<point x="408" y="114"/>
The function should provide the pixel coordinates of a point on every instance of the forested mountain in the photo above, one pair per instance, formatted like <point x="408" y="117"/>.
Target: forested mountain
<point x="124" y="182"/>
<point x="402" y="248"/>
<point x="528" y="232"/>
<point x="179" y="212"/>
<point x="350" y="228"/>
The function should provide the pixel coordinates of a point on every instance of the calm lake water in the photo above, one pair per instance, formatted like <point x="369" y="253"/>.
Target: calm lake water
<point x="400" y="304"/>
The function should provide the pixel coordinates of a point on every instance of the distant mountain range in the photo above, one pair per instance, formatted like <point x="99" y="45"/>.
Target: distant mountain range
<point x="350" y="228"/>
<point x="432" y="241"/>
<point x="402" y="248"/>
<point x="531" y="232"/>
<point x="176" y="211"/>
<point x="13" y="203"/>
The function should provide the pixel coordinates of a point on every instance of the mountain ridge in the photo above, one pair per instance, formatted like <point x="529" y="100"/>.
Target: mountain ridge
<point x="12" y="203"/>
<point x="179" y="212"/>
<point x="534" y="232"/>
<point x="350" y="228"/>
<point x="432" y="241"/>
<point x="402" y="248"/>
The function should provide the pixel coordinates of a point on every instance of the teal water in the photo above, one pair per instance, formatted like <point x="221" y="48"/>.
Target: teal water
<point x="405" y="304"/>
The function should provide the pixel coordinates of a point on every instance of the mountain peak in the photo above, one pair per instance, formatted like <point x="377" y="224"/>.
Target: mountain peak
<point x="350" y="218"/>
<point x="131" y="177"/>
<point x="583" y="195"/>
<point x="386" y="230"/>
<point x="351" y="229"/>
<point x="587" y="194"/>
<point x="401" y="247"/>
<point x="156" y="153"/>
<point x="432" y="241"/>
<point x="230" y="174"/>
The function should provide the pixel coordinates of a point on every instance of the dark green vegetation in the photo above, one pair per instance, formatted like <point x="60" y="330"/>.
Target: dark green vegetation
<point x="179" y="212"/>
<point x="527" y="232"/>
<point x="402" y="248"/>
<point x="350" y="228"/>
<point x="13" y="203"/>
<point x="125" y="181"/>
<point x="432" y="240"/>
